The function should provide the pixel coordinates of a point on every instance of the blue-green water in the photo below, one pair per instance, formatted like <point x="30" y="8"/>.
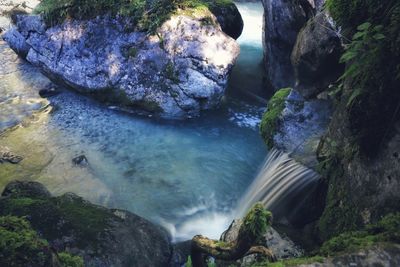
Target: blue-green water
<point x="186" y="175"/>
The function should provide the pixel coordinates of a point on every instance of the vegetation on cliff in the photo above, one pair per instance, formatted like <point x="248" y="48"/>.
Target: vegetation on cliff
<point x="372" y="37"/>
<point x="368" y="107"/>
<point x="270" y="120"/>
<point x="20" y="245"/>
<point x="146" y="15"/>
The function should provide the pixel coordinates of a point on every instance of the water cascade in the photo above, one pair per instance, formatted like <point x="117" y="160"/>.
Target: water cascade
<point x="281" y="185"/>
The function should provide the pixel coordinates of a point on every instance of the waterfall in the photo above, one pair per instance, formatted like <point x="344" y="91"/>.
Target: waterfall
<point x="281" y="185"/>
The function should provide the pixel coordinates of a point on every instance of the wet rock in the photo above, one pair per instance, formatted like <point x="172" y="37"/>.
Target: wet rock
<point x="103" y="237"/>
<point x="48" y="92"/>
<point x="80" y="160"/>
<point x="229" y="18"/>
<point x="283" y="21"/>
<point x="181" y="252"/>
<point x="177" y="73"/>
<point x="300" y="126"/>
<point x="316" y="55"/>
<point x="8" y="156"/>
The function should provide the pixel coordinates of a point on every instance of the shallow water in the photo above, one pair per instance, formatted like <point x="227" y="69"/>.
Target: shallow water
<point x="186" y="175"/>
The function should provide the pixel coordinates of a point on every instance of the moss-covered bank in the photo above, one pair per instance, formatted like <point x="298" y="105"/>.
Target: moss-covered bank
<point x="383" y="235"/>
<point x="101" y="236"/>
<point x="20" y="245"/>
<point x="270" y="121"/>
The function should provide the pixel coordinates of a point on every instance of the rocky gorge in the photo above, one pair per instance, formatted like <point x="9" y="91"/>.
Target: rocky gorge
<point x="334" y="110"/>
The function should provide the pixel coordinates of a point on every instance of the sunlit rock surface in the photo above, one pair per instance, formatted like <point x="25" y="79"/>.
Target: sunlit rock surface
<point x="177" y="73"/>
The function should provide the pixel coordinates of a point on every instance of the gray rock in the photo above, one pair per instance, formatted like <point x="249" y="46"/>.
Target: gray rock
<point x="80" y="160"/>
<point x="17" y="42"/>
<point x="177" y="73"/>
<point x="301" y="125"/>
<point x="283" y="20"/>
<point x="180" y="253"/>
<point x="7" y="156"/>
<point x="316" y="55"/>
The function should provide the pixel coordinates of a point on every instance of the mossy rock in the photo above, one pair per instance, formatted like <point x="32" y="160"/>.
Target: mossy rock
<point x="20" y="245"/>
<point x="113" y="237"/>
<point x="386" y="230"/>
<point x="270" y="121"/>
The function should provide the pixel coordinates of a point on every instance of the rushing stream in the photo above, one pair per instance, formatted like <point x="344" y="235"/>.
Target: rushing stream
<point x="186" y="175"/>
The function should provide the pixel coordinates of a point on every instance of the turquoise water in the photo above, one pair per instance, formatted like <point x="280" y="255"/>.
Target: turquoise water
<point x="185" y="175"/>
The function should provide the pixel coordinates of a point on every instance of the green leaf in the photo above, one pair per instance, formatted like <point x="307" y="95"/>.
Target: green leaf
<point x="358" y="35"/>
<point x="379" y="36"/>
<point x="357" y="92"/>
<point x="349" y="55"/>
<point x="364" y="26"/>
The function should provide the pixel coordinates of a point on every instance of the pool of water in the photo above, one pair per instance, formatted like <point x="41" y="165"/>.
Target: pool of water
<point x="185" y="175"/>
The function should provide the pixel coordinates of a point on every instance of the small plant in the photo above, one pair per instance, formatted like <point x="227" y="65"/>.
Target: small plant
<point x="360" y="55"/>
<point x="171" y="73"/>
<point x="132" y="52"/>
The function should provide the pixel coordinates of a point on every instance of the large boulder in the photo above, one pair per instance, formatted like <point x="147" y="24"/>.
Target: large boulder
<point x="177" y="72"/>
<point x="229" y="18"/>
<point x="316" y="55"/>
<point x="295" y="125"/>
<point x="283" y="20"/>
<point x="103" y="237"/>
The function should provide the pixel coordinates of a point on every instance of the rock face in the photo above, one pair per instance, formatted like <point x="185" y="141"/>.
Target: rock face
<point x="177" y="73"/>
<point x="283" y="20"/>
<point x="361" y="189"/>
<point x="299" y="126"/>
<point x="316" y="55"/>
<point x="386" y="255"/>
<point x="103" y="237"/>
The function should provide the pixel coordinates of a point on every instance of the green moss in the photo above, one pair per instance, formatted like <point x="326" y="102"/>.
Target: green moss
<point x="146" y="15"/>
<point x="132" y="52"/>
<point x="270" y="120"/>
<point x="256" y="222"/>
<point x="20" y="245"/>
<point x="291" y="262"/>
<point x="87" y="222"/>
<point x="386" y="230"/>
<point x="68" y="260"/>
